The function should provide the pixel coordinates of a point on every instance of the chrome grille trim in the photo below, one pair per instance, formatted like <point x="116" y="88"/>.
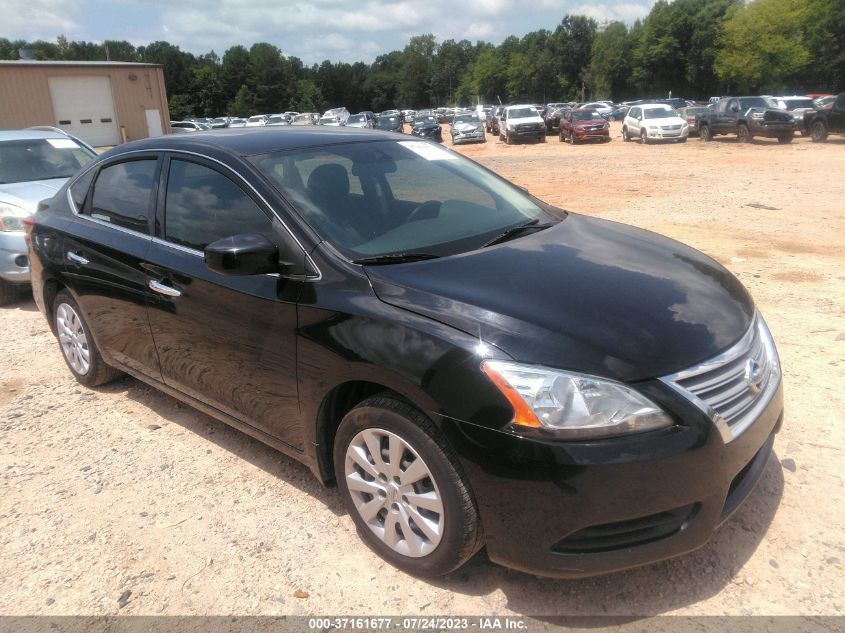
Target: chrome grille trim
<point x="727" y="388"/>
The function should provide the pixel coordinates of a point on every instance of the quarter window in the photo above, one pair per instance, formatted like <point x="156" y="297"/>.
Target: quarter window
<point x="122" y="194"/>
<point x="202" y="206"/>
<point x="79" y="189"/>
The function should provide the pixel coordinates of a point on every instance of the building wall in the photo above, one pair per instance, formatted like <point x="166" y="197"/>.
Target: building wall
<point x="25" y="95"/>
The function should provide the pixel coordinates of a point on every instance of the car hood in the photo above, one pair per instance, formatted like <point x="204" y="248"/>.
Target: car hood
<point x="27" y="195"/>
<point x="466" y="126"/>
<point x="528" y="119"/>
<point x="587" y="295"/>
<point x="667" y="120"/>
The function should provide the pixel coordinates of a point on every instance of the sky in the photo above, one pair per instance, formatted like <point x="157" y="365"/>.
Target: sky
<point x="313" y="30"/>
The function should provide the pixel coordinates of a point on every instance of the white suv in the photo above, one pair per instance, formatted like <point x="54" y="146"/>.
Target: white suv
<point x="653" y="122"/>
<point x="521" y="122"/>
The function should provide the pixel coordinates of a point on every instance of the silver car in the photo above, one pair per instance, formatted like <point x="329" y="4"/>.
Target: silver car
<point x="467" y="127"/>
<point x="34" y="164"/>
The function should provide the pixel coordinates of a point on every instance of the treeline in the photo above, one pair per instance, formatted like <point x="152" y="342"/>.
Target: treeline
<point x="693" y="48"/>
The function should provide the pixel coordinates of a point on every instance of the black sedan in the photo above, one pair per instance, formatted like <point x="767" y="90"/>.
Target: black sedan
<point x="470" y="365"/>
<point x="426" y="126"/>
<point x="389" y="123"/>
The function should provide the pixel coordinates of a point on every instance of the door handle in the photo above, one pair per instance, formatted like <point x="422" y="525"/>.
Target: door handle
<point x="164" y="289"/>
<point x="76" y="258"/>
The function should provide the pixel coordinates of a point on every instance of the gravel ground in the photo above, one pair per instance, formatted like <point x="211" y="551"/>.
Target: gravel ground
<point x="122" y="500"/>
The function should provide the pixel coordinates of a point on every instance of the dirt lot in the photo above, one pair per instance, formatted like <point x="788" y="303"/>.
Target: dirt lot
<point x="123" y="489"/>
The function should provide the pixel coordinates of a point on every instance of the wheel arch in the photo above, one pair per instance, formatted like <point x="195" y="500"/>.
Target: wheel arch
<point x="335" y="404"/>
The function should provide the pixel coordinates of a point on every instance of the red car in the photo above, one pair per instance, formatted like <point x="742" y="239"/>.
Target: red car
<point x="582" y="124"/>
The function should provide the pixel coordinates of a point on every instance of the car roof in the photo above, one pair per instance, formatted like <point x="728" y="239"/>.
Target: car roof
<point x="252" y="141"/>
<point x="23" y="135"/>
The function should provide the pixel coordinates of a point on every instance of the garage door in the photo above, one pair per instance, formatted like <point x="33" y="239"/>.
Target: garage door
<point x="83" y="106"/>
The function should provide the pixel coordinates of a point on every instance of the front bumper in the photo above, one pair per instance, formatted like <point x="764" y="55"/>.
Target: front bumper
<point x="14" y="258"/>
<point x="463" y="137"/>
<point x="660" y="133"/>
<point x="538" y="132"/>
<point x="771" y="129"/>
<point x="579" y="509"/>
<point x="582" y="133"/>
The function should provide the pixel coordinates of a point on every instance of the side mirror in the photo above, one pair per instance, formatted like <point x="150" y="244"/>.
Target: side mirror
<point x="246" y="254"/>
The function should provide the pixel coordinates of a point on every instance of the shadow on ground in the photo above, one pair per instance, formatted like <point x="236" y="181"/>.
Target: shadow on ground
<point x="650" y="590"/>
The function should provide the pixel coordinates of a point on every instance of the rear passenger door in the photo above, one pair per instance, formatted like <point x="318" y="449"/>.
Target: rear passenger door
<point x="227" y="341"/>
<point x="104" y="250"/>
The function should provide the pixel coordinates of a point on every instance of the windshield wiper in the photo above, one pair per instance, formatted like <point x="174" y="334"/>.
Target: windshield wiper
<point x="516" y="231"/>
<point x="394" y="258"/>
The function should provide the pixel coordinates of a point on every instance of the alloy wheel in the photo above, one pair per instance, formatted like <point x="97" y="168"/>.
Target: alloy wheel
<point x="394" y="492"/>
<point x="73" y="339"/>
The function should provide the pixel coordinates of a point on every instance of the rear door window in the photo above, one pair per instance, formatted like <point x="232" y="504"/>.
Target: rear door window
<point x="122" y="194"/>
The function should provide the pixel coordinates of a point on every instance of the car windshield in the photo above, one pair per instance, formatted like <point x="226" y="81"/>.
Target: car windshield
<point x="41" y="159"/>
<point x="387" y="121"/>
<point x="522" y="113"/>
<point x="467" y="118"/>
<point x="658" y="113"/>
<point x="420" y="120"/>
<point x="356" y="118"/>
<point x="388" y="197"/>
<point x="585" y="116"/>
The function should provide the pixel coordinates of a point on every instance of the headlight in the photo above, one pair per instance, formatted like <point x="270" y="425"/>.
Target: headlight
<point x="11" y="217"/>
<point x="573" y="406"/>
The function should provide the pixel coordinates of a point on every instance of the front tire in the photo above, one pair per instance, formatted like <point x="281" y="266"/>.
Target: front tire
<point x="818" y="132"/>
<point x="78" y="346"/>
<point x="704" y="134"/>
<point x="625" y="136"/>
<point x="644" y="137"/>
<point x="743" y="135"/>
<point x="404" y="488"/>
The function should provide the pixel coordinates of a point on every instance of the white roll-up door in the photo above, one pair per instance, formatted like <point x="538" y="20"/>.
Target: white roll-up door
<point x="83" y="106"/>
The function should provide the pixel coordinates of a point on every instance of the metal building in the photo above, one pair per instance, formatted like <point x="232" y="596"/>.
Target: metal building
<point x="103" y="103"/>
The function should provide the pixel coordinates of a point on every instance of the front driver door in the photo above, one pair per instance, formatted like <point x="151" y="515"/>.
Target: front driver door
<point x="228" y="341"/>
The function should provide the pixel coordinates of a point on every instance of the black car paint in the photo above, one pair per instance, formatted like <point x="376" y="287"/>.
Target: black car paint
<point x="269" y="355"/>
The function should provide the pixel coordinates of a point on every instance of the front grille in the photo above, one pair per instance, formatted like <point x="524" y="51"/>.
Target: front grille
<point x="733" y="387"/>
<point x="528" y="127"/>
<point x="671" y="127"/>
<point x="625" y="534"/>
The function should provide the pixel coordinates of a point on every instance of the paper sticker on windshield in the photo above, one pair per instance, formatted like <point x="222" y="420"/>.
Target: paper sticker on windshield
<point x="429" y="152"/>
<point x="62" y="143"/>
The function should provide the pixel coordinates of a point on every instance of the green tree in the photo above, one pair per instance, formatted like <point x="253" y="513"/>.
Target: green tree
<point x="763" y="47"/>
<point x="610" y="65"/>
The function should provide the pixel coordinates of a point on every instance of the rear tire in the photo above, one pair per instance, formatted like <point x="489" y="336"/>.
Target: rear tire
<point x="77" y="344"/>
<point x="384" y="499"/>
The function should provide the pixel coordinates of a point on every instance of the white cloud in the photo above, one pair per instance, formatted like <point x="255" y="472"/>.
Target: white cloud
<point x="312" y="30"/>
<point x="39" y="19"/>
